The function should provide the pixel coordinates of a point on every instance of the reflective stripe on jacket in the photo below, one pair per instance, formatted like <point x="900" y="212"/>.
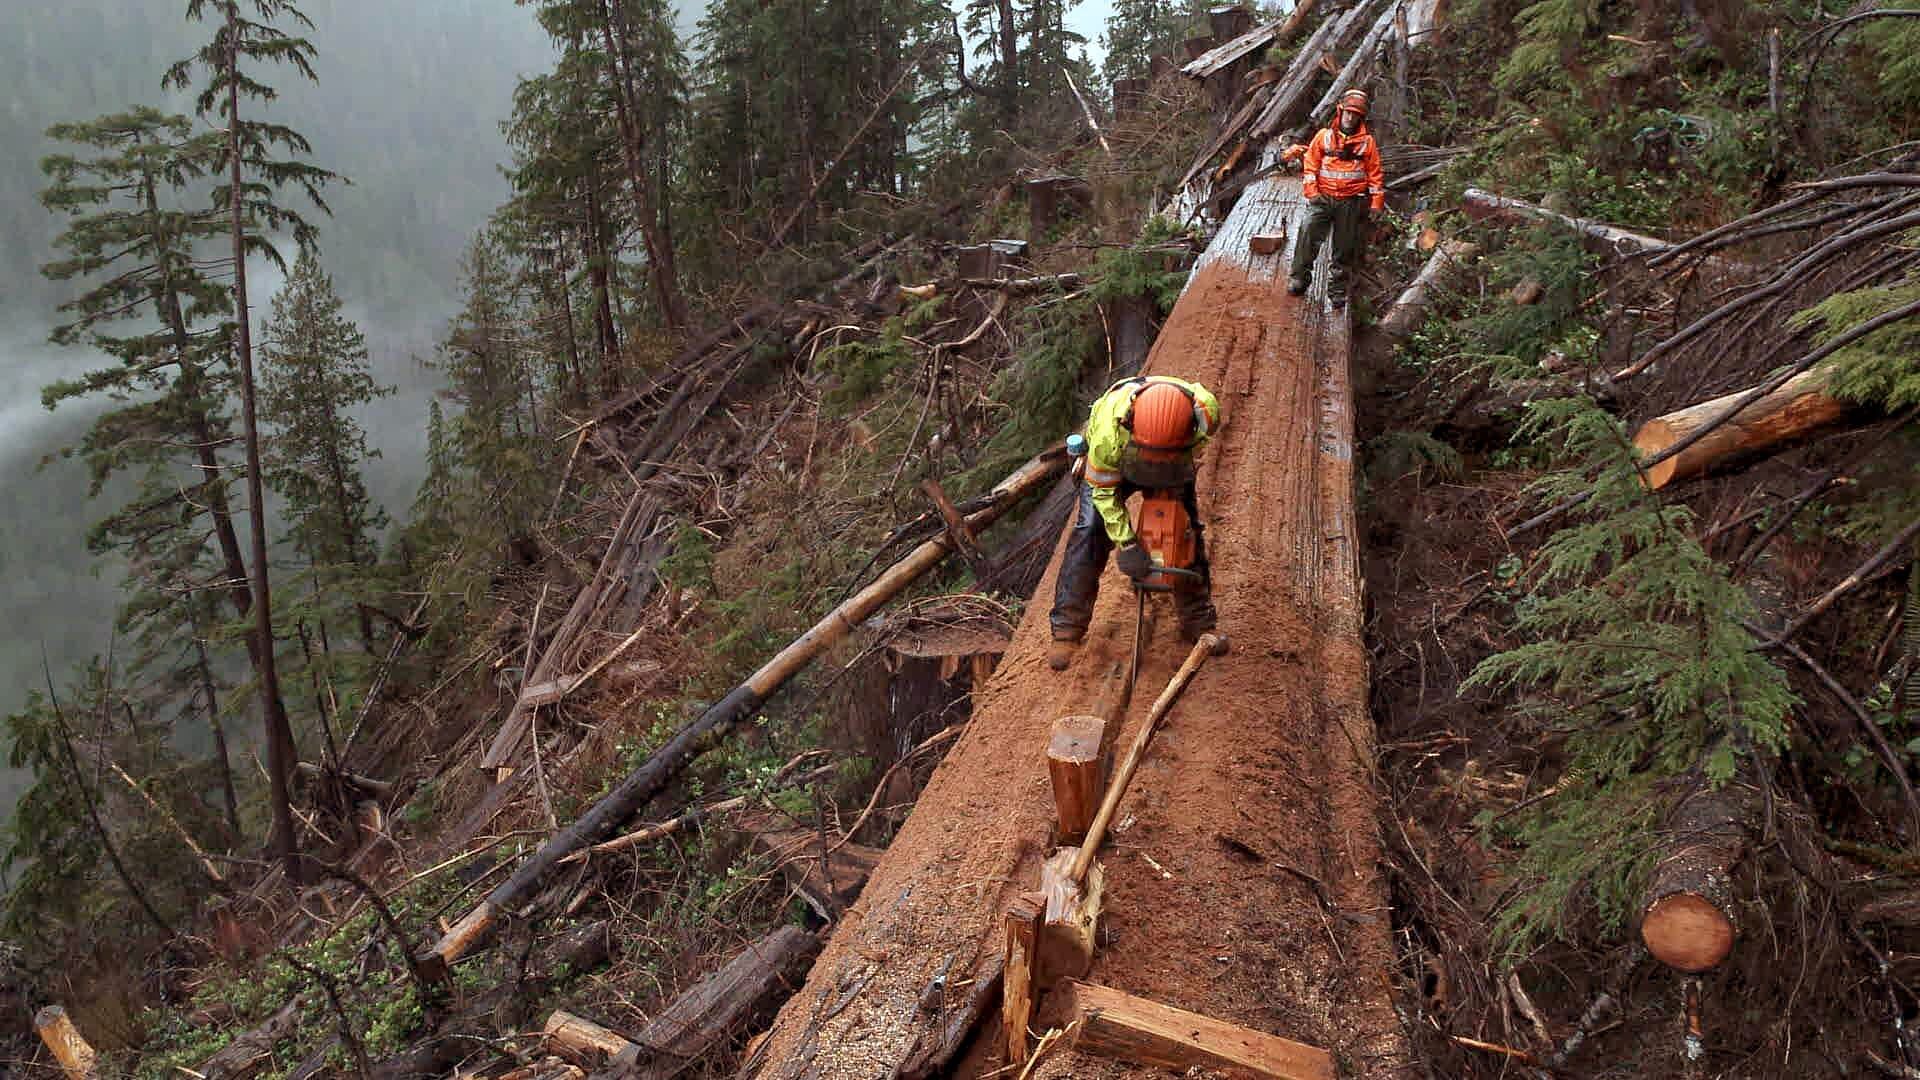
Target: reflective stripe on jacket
<point x="1344" y="166"/>
<point x="1108" y="439"/>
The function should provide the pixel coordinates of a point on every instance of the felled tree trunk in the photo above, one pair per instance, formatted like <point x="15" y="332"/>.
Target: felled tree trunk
<point x="1798" y="409"/>
<point x="1410" y="309"/>
<point x="1687" y="913"/>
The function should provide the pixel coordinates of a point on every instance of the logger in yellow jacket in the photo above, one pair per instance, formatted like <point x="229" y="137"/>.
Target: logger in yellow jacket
<point x="1143" y="434"/>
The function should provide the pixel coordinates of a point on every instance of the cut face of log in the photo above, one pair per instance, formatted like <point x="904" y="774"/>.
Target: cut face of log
<point x="582" y="1041"/>
<point x="1687" y="913"/>
<point x="1118" y="1025"/>
<point x="1799" y="409"/>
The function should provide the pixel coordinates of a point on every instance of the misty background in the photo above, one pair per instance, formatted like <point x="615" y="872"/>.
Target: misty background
<point x="408" y="106"/>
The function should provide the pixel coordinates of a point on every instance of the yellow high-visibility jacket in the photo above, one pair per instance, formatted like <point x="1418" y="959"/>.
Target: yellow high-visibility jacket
<point x="1108" y="439"/>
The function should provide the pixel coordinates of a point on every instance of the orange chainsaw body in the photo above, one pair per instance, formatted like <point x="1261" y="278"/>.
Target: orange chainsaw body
<point x="1166" y="530"/>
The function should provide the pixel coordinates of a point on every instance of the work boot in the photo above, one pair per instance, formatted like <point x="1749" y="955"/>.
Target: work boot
<point x="1297" y="286"/>
<point x="1060" y="653"/>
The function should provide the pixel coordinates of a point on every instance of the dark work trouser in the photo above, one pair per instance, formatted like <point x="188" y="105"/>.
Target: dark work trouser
<point x="1086" y="556"/>
<point x="1346" y="219"/>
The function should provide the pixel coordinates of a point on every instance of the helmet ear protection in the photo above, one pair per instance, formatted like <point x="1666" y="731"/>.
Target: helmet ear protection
<point x="1139" y="384"/>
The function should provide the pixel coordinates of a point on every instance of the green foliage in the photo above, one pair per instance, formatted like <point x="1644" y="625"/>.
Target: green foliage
<point x="861" y="366"/>
<point x="1636" y="648"/>
<point x="1526" y="332"/>
<point x="1550" y="31"/>
<point x="1399" y="453"/>
<point x="1896" y="44"/>
<point x="1881" y="369"/>
<point x="1139" y="30"/>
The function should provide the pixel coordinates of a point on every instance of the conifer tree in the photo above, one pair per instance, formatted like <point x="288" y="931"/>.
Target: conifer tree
<point x="496" y="438"/>
<point x="255" y="172"/>
<point x="313" y="375"/>
<point x="1139" y="30"/>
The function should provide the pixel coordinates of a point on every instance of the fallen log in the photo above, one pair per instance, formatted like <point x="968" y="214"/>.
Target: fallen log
<point x="501" y="752"/>
<point x="1409" y="310"/>
<point x="1687" y="913"/>
<point x="1800" y="408"/>
<point x="744" y="701"/>
<point x="1359" y="62"/>
<point x="721" y="1004"/>
<point x="1222" y="56"/>
<point x="1284" y="109"/>
<point x="1118" y="1025"/>
<point x="76" y="1056"/>
<point x="1485" y="204"/>
<point x="248" y="1054"/>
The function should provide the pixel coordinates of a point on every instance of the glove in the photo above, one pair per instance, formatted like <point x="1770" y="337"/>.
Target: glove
<point x="1134" y="561"/>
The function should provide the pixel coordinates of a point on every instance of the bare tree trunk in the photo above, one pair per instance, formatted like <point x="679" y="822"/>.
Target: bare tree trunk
<point x="279" y="731"/>
<point x="666" y="281"/>
<point x="1009" y="62"/>
<point x="205" y="670"/>
<point x="606" y="330"/>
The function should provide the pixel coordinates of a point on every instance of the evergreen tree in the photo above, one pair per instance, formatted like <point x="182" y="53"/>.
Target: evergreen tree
<point x="313" y="375"/>
<point x="1139" y="30"/>
<point x="255" y="172"/>
<point x="496" y="439"/>
<point x="625" y="53"/>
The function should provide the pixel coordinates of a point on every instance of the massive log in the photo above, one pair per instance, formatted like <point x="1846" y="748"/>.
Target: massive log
<point x="1687" y="914"/>
<point x="1799" y="409"/>
<point x="626" y="799"/>
<point x="919" y="959"/>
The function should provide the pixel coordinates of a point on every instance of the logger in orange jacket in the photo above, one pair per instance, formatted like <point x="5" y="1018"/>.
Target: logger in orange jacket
<point x="1344" y="187"/>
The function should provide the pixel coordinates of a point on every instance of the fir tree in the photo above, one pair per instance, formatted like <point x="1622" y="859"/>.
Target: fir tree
<point x="313" y="375"/>
<point x="255" y="172"/>
<point x="1139" y="30"/>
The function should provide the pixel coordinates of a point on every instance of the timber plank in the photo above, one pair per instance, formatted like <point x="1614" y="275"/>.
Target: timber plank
<point x="1112" y="1023"/>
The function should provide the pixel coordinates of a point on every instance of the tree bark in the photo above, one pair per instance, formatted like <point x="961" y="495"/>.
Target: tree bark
<point x="1800" y="408"/>
<point x="279" y="730"/>
<point x="1687" y="913"/>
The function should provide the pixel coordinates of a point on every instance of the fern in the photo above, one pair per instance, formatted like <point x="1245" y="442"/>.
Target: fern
<point x="1636" y="649"/>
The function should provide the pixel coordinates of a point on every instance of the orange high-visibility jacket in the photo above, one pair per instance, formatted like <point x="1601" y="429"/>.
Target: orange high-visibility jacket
<point x="1343" y="166"/>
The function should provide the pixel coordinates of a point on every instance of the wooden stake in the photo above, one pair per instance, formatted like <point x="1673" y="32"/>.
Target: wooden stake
<point x="1016" y="991"/>
<point x="1077" y="768"/>
<point x="77" y="1058"/>
<point x="1118" y="1025"/>
<point x="1071" y="927"/>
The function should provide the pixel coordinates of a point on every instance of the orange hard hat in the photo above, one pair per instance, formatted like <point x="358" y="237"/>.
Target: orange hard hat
<point x="1356" y="101"/>
<point x="1163" y="417"/>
